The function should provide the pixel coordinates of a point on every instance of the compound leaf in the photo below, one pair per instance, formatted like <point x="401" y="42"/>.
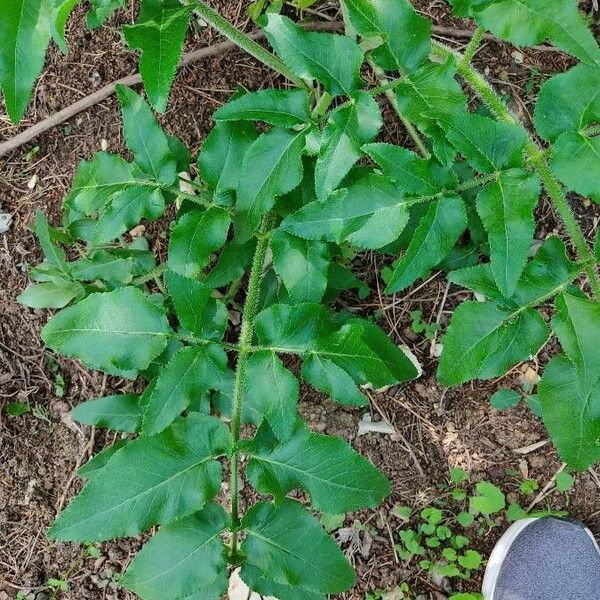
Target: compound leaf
<point x="121" y="412"/>
<point x="119" y="332"/>
<point x="284" y="108"/>
<point x="406" y="34"/>
<point x="570" y="413"/>
<point x="146" y="140"/>
<point x="332" y="59"/>
<point x="272" y="167"/>
<point x="159" y="33"/>
<point x="349" y="127"/>
<point x="288" y="546"/>
<point x="506" y="209"/>
<point x="438" y="231"/>
<point x="150" y="481"/>
<point x="302" y="265"/>
<point x="337" y="478"/>
<point x="191" y="372"/>
<point x="197" y="234"/>
<point x="182" y="558"/>
<point x="485" y="340"/>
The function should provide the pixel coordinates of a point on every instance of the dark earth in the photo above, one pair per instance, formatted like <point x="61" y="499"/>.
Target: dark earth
<point x="433" y="428"/>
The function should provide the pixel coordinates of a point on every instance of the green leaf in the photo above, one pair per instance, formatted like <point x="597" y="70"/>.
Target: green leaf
<point x="438" y="231"/>
<point x="327" y="377"/>
<point x="529" y="22"/>
<point x="197" y="234"/>
<point x="121" y="412"/>
<point x="146" y="140"/>
<point x="302" y="265"/>
<point x="220" y="160"/>
<point x="284" y="108"/>
<point x="504" y="399"/>
<point x="289" y="547"/>
<point x="567" y="105"/>
<point x="196" y="309"/>
<point x="119" y="332"/>
<point x="334" y="60"/>
<point x="413" y="174"/>
<point x="62" y="12"/>
<point x="489" y="499"/>
<point x="506" y="209"/>
<point x="191" y="372"/>
<point x="264" y="586"/>
<point x="571" y="415"/>
<point x="93" y="466"/>
<point x="25" y="29"/>
<point x="368" y="214"/>
<point x="337" y="478"/>
<point x="182" y="558"/>
<point x="484" y="340"/>
<point x="101" y="10"/>
<point x="159" y="33"/>
<point x="54" y="254"/>
<point x="272" y="167"/>
<point x="406" y="34"/>
<point x="50" y="294"/>
<point x="470" y="560"/>
<point x="231" y="265"/>
<point x="349" y="127"/>
<point x="479" y="279"/>
<point x="577" y="326"/>
<point x="486" y="144"/>
<point x="149" y="481"/>
<point x="271" y="393"/>
<point x="106" y="266"/>
<point x="564" y="481"/>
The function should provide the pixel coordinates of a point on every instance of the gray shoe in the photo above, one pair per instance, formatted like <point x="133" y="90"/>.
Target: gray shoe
<point x="544" y="559"/>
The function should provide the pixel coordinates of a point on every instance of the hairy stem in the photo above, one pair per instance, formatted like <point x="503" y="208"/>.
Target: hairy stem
<point x="244" y="344"/>
<point x="240" y="39"/>
<point x="536" y="157"/>
<point x="472" y="47"/>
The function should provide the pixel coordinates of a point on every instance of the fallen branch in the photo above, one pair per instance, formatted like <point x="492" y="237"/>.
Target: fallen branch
<point x="108" y="90"/>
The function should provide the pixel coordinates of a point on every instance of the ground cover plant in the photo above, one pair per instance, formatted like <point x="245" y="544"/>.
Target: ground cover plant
<point x="275" y="210"/>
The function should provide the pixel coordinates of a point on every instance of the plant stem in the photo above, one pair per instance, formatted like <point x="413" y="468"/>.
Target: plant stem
<point x="390" y="94"/>
<point x="240" y="39"/>
<point x="536" y="158"/>
<point x="245" y="344"/>
<point x="472" y="47"/>
<point x="322" y="105"/>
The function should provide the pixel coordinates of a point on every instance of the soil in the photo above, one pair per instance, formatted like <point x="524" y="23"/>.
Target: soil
<point x="435" y="428"/>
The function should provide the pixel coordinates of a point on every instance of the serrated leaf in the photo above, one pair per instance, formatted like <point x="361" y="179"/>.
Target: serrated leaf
<point x="191" y="372"/>
<point x="289" y="547"/>
<point x="121" y="412"/>
<point x="284" y="108"/>
<point x="302" y="265"/>
<point x="480" y="279"/>
<point x="349" y="127"/>
<point x="413" y="174"/>
<point x="222" y="154"/>
<point x="104" y="266"/>
<point x="334" y="60"/>
<point x="484" y="341"/>
<point x="231" y="264"/>
<point x="119" y="332"/>
<point x="150" y="481"/>
<point x="369" y="214"/>
<point x="271" y="393"/>
<point x="486" y="144"/>
<point x="438" y="231"/>
<point x="489" y="499"/>
<point x="197" y="234"/>
<point x="159" y="33"/>
<point x="146" y="140"/>
<point x="529" y="22"/>
<point x="571" y="415"/>
<point x="182" y="558"/>
<point x="406" y="34"/>
<point x="101" y="10"/>
<point x="50" y="294"/>
<point x="327" y="377"/>
<point x="197" y="310"/>
<point x="272" y="167"/>
<point x="337" y="478"/>
<point x="25" y="29"/>
<point x="506" y="209"/>
<point x="577" y="326"/>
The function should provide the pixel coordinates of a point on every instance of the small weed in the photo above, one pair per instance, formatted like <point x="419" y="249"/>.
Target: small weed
<point x="17" y="409"/>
